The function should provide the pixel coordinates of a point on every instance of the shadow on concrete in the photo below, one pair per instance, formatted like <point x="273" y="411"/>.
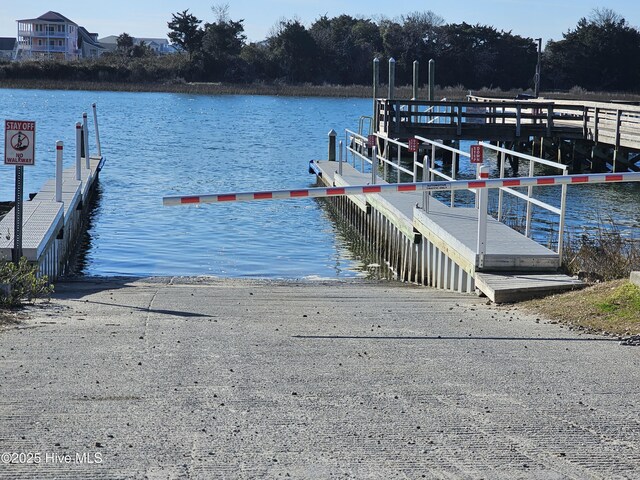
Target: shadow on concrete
<point x="510" y="339"/>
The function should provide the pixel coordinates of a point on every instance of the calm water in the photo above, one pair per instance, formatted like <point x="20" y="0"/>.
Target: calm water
<point x="158" y="144"/>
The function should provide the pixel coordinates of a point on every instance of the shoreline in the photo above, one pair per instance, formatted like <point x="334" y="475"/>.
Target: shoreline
<point x="457" y="93"/>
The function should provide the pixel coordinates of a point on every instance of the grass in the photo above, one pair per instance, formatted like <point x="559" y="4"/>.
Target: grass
<point x="609" y="307"/>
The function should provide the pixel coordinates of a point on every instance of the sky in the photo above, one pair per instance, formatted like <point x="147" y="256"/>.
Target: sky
<point x="548" y="19"/>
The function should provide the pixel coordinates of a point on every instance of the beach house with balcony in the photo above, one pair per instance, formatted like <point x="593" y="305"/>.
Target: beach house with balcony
<point x="54" y="36"/>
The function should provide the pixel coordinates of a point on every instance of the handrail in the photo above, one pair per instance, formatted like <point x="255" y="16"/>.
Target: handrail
<point x="528" y="197"/>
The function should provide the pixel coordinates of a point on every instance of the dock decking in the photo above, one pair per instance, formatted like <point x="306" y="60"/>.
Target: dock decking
<point x="438" y="247"/>
<point x="50" y="228"/>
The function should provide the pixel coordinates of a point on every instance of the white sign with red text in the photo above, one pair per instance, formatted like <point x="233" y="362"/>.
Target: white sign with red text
<point x="19" y="142"/>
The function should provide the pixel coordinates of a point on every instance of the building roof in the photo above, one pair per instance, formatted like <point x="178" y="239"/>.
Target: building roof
<point x="7" y="43"/>
<point x="111" y="39"/>
<point x="50" y="17"/>
<point x="88" y="37"/>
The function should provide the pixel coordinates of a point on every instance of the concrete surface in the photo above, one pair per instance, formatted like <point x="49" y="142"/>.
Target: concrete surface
<point x="195" y="378"/>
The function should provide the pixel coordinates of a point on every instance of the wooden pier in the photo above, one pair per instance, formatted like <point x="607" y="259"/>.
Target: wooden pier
<point x="591" y="127"/>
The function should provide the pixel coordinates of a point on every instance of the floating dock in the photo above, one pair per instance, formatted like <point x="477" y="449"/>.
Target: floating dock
<point x="51" y="230"/>
<point x="438" y="248"/>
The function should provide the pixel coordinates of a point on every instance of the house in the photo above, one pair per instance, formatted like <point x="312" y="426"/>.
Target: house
<point x="7" y="45"/>
<point x="161" y="46"/>
<point x="88" y="43"/>
<point x="54" y="36"/>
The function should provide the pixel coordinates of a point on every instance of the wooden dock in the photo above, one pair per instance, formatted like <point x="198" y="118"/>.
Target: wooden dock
<point x="438" y="247"/>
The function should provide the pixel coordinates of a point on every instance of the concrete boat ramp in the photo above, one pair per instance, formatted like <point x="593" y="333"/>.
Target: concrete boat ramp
<point x="438" y="248"/>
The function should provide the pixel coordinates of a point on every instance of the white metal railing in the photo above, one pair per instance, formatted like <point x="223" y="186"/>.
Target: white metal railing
<point x="528" y="197"/>
<point x="357" y="145"/>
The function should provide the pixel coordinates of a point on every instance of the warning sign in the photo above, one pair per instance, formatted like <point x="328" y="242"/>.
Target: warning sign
<point x="476" y="154"/>
<point x="19" y="142"/>
<point x="414" y="145"/>
<point x="371" y="141"/>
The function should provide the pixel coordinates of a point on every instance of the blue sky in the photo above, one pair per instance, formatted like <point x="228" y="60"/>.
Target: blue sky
<point x="148" y="18"/>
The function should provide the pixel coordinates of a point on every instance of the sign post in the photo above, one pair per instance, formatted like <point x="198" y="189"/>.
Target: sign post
<point x="19" y="150"/>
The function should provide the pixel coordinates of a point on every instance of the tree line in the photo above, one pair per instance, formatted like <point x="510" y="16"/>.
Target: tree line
<point x="596" y="55"/>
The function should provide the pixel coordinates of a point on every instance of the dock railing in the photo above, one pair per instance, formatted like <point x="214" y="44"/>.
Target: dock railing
<point x="528" y="197"/>
<point x="357" y="145"/>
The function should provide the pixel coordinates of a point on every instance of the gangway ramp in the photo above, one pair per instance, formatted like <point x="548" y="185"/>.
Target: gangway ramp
<point x="439" y="247"/>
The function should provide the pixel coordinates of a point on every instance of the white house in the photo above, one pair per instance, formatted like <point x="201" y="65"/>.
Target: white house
<point x="54" y="36"/>
<point x="159" y="45"/>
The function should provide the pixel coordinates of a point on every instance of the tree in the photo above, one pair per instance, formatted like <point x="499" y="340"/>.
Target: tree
<point x="346" y="47"/>
<point x="185" y="32"/>
<point x="596" y="55"/>
<point x="294" y="51"/>
<point x="124" y="42"/>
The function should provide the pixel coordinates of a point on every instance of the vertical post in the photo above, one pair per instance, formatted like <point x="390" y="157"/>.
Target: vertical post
<point x="563" y="209"/>
<point x="78" y="151"/>
<point x="95" y="123"/>
<point x="454" y="162"/>
<point x="392" y="79"/>
<point x="527" y="227"/>
<point x="17" y="221"/>
<point x="432" y="79"/>
<point x="415" y="166"/>
<point x="500" y="192"/>
<point x="59" y="147"/>
<point x="537" y="75"/>
<point x="425" y="178"/>
<point x="376" y="87"/>
<point x="332" y="145"/>
<point x="416" y="84"/>
<point x="85" y="131"/>
<point x="374" y="164"/>
<point x="416" y="66"/>
<point x="481" y="245"/>
<point x="340" y="159"/>
<point x="518" y="119"/>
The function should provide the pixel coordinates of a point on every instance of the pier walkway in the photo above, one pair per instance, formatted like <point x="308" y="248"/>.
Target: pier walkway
<point x="438" y="248"/>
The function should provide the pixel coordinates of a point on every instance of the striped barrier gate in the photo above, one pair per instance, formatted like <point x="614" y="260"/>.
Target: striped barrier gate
<point x="316" y="192"/>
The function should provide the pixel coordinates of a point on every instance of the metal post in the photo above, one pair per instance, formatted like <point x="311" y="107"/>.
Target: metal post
<point x="374" y="165"/>
<point x="454" y="162"/>
<point x="481" y="245"/>
<point x="392" y="79"/>
<point x="78" y="151"/>
<point x="518" y="119"/>
<point x="59" y="147"/>
<point x="17" y="221"/>
<point x="537" y="76"/>
<point x="563" y="209"/>
<point x="95" y="122"/>
<point x="415" y="166"/>
<point x="85" y="131"/>
<point x="425" y="178"/>
<point x="527" y="227"/>
<point x="376" y="87"/>
<point x="416" y="66"/>
<point x="500" y="192"/>
<point x="332" y="145"/>
<point x="432" y="79"/>
<point x="340" y="159"/>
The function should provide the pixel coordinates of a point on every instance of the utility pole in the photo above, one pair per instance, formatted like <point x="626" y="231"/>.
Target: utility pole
<point x="536" y="79"/>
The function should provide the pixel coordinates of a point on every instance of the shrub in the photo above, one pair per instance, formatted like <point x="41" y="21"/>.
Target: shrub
<point x="21" y="282"/>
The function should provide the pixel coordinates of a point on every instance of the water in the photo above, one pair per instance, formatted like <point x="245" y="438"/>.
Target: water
<point x="158" y="144"/>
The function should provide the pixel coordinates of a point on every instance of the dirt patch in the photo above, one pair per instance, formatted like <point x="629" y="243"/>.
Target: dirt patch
<point x="609" y="307"/>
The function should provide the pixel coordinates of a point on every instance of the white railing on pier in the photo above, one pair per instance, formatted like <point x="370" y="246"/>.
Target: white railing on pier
<point x="357" y="146"/>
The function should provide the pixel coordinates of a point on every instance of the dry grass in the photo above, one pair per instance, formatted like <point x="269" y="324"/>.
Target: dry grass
<point x="609" y="307"/>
